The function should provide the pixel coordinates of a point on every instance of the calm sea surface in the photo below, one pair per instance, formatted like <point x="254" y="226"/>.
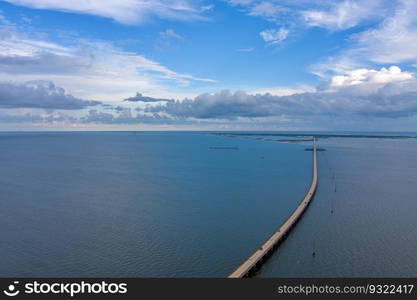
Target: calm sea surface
<point x="155" y="204"/>
<point x="371" y="186"/>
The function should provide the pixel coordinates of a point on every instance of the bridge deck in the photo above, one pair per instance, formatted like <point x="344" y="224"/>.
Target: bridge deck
<point x="258" y="256"/>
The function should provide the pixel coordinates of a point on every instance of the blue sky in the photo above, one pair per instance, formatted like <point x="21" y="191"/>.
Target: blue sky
<point x="225" y="64"/>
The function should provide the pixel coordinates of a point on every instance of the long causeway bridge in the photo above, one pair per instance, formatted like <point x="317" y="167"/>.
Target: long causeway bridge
<point x="250" y="265"/>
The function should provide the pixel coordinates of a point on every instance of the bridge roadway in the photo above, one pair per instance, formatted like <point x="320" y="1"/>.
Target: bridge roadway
<point x="258" y="257"/>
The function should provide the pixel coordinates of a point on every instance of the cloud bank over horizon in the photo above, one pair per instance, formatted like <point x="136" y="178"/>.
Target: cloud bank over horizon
<point x="39" y="94"/>
<point x="300" y="64"/>
<point x="385" y="93"/>
<point x="389" y="93"/>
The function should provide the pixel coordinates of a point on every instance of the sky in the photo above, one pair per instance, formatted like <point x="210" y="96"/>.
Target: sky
<point x="208" y="65"/>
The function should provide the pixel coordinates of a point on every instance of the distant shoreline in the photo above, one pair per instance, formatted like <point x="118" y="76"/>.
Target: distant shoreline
<point x="234" y="134"/>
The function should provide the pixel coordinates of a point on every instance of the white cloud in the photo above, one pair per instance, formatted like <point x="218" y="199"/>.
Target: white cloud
<point x="343" y="15"/>
<point x="168" y="40"/>
<point x="207" y="8"/>
<point x="126" y="11"/>
<point x="88" y="69"/>
<point x="362" y="96"/>
<point x="284" y="91"/>
<point x="267" y="10"/>
<point x="274" y="36"/>
<point x="369" y="76"/>
<point x="39" y="94"/>
<point x="357" y="87"/>
<point x="392" y="41"/>
<point x="329" y="14"/>
<point x="170" y="33"/>
<point x="377" y="95"/>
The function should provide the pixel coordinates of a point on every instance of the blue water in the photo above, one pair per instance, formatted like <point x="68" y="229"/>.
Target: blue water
<point x="141" y="204"/>
<point x="371" y="186"/>
<point x="155" y="204"/>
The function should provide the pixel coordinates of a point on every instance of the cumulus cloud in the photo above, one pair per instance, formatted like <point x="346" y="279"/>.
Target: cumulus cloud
<point x="141" y="98"/>
<point x="35" y="118"/>
<point x="374" y="95"/>
<point x="39" y="94"/>
<point x="126" y="12"/>
<point x="284" y="91"/>
<point x="369" y="76"/>
<point x="222" y="105"/>
<point x="388" y="93"/>
<point x="274" y="36"/>
<point x="355" y="88"/>
<point x="232" y="106"/>
<point x="125" y="116"/>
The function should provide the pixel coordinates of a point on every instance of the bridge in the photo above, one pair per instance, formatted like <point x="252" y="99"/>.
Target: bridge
<point x="250" y="265"/>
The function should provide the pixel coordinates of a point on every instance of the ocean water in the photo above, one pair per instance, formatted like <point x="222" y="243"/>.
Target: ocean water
<point x="127" y="204"/>
<point x="159" y="204"/>
<point x="371" y="187"/>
